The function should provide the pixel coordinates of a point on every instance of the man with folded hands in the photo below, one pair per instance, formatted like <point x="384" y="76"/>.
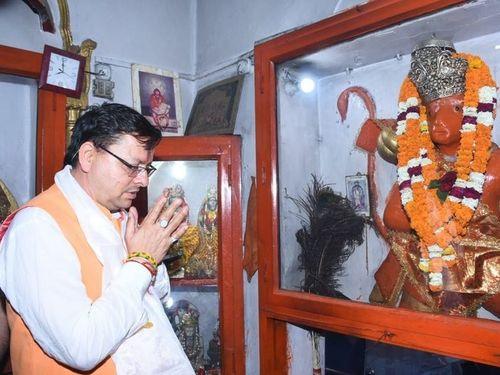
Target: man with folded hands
<point x="81" y="276"/>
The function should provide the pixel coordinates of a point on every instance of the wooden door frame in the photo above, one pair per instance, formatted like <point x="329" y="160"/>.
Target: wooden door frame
<point x="51" y="117"/>
<point x="472" y="339"/>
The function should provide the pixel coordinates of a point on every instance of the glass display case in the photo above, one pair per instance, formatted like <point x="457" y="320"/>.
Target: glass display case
<point x="205" y="266"/>
<point x="372" y="127"/>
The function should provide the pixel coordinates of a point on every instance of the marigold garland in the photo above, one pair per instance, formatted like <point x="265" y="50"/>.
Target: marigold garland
<point x="438" y="224"/>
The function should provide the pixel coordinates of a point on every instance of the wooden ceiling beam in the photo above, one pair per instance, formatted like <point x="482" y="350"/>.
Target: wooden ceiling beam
<point x="42" y="8"/>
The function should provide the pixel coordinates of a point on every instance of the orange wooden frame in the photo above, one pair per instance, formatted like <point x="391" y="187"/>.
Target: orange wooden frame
<point x="51" y="120"/>
<point x="472" y="339"/>
<point x="226" y="150"/>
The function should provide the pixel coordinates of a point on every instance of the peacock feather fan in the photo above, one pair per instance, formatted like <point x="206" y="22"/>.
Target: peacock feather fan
<point x="330" y="232"/>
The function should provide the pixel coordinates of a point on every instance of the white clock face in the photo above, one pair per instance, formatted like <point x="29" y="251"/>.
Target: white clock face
<point x="63" y="71"/>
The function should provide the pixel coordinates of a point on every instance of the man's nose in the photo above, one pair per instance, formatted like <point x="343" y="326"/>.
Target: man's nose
<point x="142" y="178"/>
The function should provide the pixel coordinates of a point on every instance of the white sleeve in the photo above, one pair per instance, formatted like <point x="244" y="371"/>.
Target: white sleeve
<point x="162" y="282"/>
<point x="40" y="276"/>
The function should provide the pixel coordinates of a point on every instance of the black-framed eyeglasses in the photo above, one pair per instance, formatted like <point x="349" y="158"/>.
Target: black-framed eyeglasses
<point x="135" y="170"/>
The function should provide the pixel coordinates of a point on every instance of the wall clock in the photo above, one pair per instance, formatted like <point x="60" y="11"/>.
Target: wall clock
<point x="62" y="71"/>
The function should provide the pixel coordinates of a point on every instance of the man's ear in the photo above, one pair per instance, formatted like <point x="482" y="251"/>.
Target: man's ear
<point x="86" y="155"/>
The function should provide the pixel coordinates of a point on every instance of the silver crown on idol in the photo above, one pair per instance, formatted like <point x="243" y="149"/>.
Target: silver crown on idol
<point x="434" y="71"/>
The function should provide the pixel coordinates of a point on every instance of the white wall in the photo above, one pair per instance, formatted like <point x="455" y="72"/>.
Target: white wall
<point x="20" y="27"/>
<point x="158" y="33"/>
<point x="228" y="28"/>
<point x="153" y="32"/>
<point x="299" y="157"/>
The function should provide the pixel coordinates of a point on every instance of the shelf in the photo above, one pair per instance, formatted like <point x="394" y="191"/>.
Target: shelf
<point x="193" y="282"/>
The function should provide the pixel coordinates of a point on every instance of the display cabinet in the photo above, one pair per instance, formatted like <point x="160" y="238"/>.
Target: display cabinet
<point x="328" y="100"/>
<point x="205" y="266"/>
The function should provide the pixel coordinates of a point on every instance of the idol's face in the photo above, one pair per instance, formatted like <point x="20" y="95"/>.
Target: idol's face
<point x="444" y="116"/>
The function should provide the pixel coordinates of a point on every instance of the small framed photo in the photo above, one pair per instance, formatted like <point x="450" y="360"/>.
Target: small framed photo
<point x="358" y="194"/>
<point x="215" y="108"/>
<point x="156" y="95"/>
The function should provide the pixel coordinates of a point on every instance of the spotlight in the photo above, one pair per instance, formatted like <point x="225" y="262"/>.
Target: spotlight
<point x="179" y="170"/>
<point x="307" y="85"/>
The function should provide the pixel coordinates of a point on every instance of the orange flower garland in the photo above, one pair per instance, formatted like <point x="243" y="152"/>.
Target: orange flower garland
<point x="438" y="224"/>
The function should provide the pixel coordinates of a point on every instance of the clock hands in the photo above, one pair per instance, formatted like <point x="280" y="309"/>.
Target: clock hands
<point x="61" y="68"/>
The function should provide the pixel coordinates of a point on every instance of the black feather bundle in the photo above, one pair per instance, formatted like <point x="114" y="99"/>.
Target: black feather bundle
<point x="330" y="231"/>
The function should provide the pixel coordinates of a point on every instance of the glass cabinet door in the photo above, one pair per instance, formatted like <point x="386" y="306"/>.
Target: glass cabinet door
<point x="204" y="172"/>
<point x="342" y="228"/>
<point x="192" y="263"/>
<point x="376" y="145"/>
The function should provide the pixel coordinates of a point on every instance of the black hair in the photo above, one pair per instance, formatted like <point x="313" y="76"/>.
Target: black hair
<point x="104" y="124"/>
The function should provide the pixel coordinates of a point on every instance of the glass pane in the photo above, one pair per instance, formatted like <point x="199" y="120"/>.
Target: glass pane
<point x="18" y="119"/>
<point x="334" y="107"/>
<point x="193" y="306"/>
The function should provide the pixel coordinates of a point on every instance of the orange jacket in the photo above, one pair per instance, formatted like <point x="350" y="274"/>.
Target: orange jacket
<point x="27" y="357"/>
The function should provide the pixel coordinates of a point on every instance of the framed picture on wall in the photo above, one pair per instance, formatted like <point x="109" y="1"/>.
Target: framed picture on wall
<point x="358" y="194"/>
<point x="156" y="95"/>
<point x="215" y="108"/>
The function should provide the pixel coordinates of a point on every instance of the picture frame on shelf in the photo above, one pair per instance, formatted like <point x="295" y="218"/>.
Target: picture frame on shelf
<point x="156" y="95"/>
<point x="215" y="108"/>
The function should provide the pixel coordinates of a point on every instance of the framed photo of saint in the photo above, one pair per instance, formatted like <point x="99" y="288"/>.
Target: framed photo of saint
<point x="156" y="95"/>
<point x="358" y="194"/>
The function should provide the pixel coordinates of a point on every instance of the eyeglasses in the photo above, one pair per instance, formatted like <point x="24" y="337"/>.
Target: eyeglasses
<point x="135" y="170"/>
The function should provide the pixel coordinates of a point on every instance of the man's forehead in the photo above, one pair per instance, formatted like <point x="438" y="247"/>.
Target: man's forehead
<point x="134" y="146"/>
<point x="130" y="140"/>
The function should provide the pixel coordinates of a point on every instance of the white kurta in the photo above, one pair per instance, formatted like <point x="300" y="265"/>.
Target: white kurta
<point x="40" y="276"/>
